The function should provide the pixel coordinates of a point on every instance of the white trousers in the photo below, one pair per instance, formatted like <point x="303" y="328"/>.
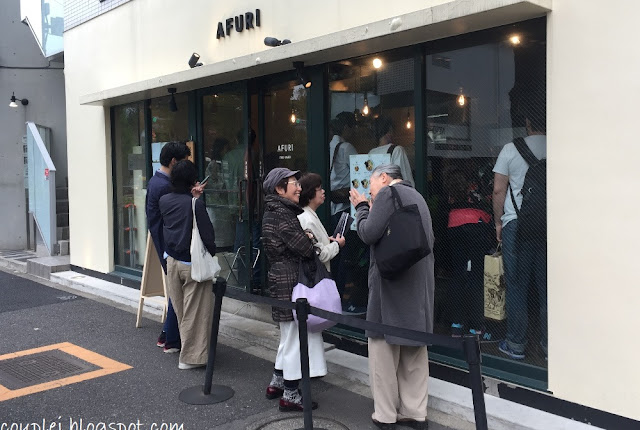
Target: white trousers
<point x="288" y="357"/>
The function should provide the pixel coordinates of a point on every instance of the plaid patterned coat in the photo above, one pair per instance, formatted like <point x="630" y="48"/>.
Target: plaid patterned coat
<point x="286" y="244"/>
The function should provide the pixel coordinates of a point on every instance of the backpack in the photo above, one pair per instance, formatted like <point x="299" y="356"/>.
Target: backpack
<point x="532" y="214"/>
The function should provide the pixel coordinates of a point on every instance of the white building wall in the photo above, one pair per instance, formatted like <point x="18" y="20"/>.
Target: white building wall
<point x="593" y="178"/>
<point x="592" y="88"/>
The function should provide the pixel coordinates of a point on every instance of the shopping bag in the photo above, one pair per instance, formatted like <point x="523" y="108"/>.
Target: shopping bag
<point x="320" y="291"/>
<point x="495" y="287"/>
<point x="204" y="266"/>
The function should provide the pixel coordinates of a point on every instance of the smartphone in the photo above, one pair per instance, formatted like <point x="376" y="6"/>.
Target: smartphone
<point x="206" y="178"/>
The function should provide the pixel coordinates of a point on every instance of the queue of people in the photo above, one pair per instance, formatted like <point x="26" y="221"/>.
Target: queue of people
<point x="293" y="237"/>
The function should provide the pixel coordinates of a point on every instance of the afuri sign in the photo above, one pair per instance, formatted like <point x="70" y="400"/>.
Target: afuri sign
<point x="239" y="22"/>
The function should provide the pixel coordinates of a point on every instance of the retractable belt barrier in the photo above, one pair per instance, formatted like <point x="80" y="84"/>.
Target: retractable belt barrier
<point x="469" y="344"/>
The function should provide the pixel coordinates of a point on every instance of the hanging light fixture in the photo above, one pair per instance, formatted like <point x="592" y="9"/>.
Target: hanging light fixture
<point x="292" y="118"/>
<point x="377" y="63"/>
<point x="461" y="99"/>
<point x="365" y="108"/>
<point x="408" y="119"/>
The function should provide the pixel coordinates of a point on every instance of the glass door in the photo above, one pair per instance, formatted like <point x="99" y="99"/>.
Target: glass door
<point x="278" y="127"/>
<point x="224" y="147"/>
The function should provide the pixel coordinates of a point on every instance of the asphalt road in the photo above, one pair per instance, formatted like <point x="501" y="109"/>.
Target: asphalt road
<point x="144" y="396"/>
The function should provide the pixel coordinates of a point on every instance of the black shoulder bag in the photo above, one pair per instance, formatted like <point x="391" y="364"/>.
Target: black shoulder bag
<point x="404" y="241"/>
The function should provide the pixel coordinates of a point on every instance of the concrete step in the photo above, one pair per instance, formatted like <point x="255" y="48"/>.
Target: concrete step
<point x="64" y="247"/>
<point x="62" y="193"/>
<point x="43" y="267"/>
<point x="62" y="219"/>
<point x="62" y="206"/>
<point x="62" y="233"/>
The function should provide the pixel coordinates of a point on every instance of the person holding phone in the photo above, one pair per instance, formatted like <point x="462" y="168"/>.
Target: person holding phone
<point x="311" y="197"/>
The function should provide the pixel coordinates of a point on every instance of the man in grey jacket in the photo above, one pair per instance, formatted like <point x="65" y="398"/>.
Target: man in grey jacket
<point x="398" y="368"/>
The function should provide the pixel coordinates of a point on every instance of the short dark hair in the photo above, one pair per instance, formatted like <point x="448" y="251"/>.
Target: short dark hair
<point x="342" y="120"/>
<point x="382" y="126"/>
<point x="284" y="183"/>
<point x="184" y="175"/>
<point x="171" y="150"/>
<point x="309" y="182"/>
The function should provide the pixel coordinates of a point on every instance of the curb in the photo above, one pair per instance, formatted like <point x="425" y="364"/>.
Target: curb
<point x="444" y="397"/>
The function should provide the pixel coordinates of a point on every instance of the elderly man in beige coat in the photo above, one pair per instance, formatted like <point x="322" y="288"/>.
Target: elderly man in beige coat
<point x="398" y="368"/>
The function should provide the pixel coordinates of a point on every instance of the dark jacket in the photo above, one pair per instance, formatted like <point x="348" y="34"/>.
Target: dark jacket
<point x="158" y="186"/>
<point x="406" y="301"/>
<point x="177" y="217"/>
<point x="286" y="244"/>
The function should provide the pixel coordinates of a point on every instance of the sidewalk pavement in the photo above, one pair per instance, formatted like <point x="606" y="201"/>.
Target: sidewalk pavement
<point x="450" y="405"/>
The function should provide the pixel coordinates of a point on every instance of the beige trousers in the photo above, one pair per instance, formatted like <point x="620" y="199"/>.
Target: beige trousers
<point x="193" y="303"/>
<point x="398" y="376"/>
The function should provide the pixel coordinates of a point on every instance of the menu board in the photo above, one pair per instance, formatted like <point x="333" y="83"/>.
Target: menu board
<point x="360" y="168"/>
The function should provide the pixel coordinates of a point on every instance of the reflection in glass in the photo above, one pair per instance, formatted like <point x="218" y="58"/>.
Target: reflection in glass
<point x="371" y="103"/>
<point x="477" y="97"/>
<point x="286" y="127"/>
<point x="52" y="27"/>
<point x="167" y="126"/>
<point x="130" y="185"/>
<point x="225" y="151"/>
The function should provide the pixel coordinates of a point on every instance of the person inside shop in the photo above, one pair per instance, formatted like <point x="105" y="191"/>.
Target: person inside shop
<point x="236" y="173"/>
<point x="469" y="232"/>
<point x="340" y="149"/>
<point x="158" y="186"/>
<point x="193" y="301"/>
<point x="287" y="246"/>
<point x="383" y="127"/>
<point x="398" y="368"/>
<point x="311" y="197"/>
<point x="525" y="259"/>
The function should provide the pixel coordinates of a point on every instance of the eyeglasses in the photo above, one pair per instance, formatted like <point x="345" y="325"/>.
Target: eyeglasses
<point x="294" y="183"/>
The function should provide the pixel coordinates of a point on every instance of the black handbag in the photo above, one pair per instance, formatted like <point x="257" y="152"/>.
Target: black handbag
<point x="404" y="241"/>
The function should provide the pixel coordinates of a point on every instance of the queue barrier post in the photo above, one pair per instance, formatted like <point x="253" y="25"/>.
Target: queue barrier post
<point x="209" y="394"/>
<point x="472" y="353"/>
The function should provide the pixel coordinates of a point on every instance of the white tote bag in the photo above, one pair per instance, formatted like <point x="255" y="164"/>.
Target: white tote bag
<point x="204" y="267"/>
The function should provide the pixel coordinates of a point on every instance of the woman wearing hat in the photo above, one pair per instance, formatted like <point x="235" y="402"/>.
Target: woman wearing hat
<point x="287" y="245"/>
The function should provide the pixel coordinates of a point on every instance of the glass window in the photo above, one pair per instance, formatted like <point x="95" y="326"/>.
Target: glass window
<point x="371" y="122"/>
<point x="480" y="97"/>
<point x="130" y="185"/>
<point x="285" y="108"/>
<point x="225" y="152"/>
<point x="169" y="126"/>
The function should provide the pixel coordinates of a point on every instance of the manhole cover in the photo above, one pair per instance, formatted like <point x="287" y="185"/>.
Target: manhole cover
<point x="294" y="423"/>
<point x="28" y="370"/>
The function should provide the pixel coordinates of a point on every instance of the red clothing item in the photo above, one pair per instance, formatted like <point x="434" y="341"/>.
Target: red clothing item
<point x="458" y="217"/>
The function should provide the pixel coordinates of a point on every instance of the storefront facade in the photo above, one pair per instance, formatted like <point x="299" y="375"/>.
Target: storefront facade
<point x="448" y="86"/>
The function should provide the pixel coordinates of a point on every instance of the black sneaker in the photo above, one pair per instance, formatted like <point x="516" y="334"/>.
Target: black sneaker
<point x="351" y="309"/>
<point x="162" y="339"/>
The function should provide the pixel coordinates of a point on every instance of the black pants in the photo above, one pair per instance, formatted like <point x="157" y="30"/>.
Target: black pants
<point x="469" y="243"/>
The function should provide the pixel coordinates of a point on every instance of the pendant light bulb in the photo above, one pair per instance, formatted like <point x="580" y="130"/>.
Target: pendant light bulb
<point x="408" y="119"/>
<point x="365" y="109"/>
<point x="292" y="118"/>
<point x="462" y="100"/>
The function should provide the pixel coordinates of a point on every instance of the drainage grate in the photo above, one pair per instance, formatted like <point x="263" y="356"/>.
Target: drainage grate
<point x="20" y="372"/>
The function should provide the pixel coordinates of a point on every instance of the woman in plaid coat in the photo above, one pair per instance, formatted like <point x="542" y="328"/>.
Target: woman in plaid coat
<point x="287" y="245"/>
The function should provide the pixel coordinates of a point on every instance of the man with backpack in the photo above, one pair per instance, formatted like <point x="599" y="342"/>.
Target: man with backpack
<point x="519" y="206"/>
